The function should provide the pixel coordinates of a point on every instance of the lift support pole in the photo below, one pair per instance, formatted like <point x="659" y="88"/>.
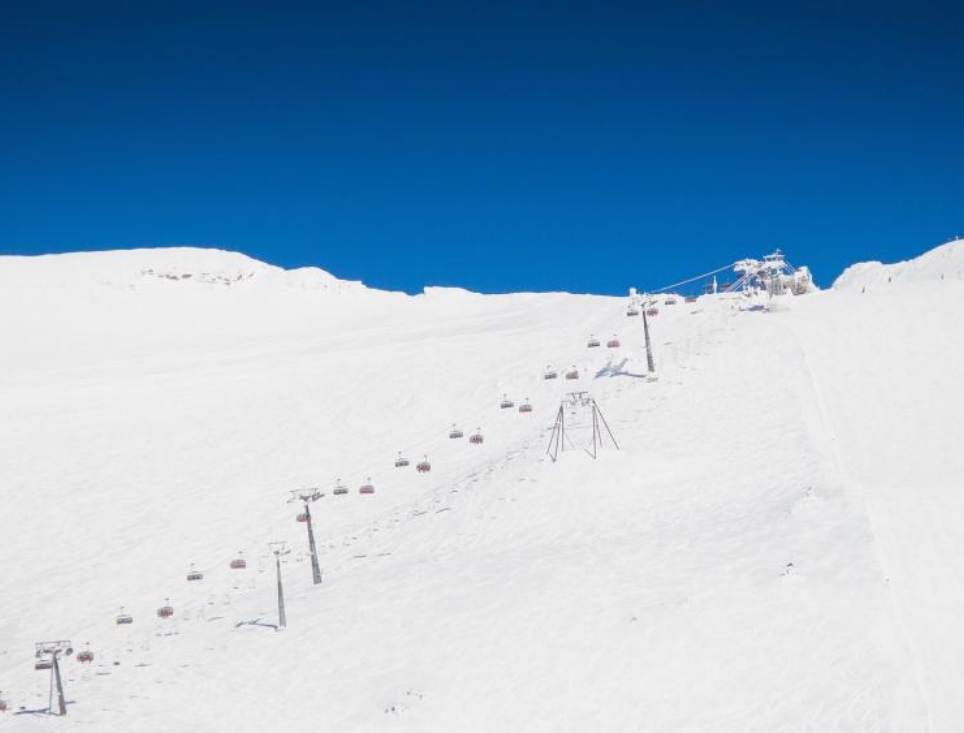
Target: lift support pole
<point x="61" y="701"/>
<point x="282" y="620"/>
<point x="279" y="549"/>
<point x="649" y="349"/>
<point x="315" y="567"/>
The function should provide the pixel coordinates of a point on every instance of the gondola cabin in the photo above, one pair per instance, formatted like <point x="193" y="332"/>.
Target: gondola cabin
<point x="476" y="438"/>
<point x="124" y="619"/>
<point x="652" y="312"/>
<point x="340" y="490"/>
<point x="573" y="374"/>
<point x="3" y="706"/>
<point x="670" y="301"/>
<point x="613" y="343"/>
<point x="550" y="374"/>
<point x="401" y="462"/>
<point x="691" y="299"/>
<point x="41" y="664"/>
<point x="593" y="342"/>
<point x="423" y="466"/>
<point x="85" y="657"/>
<point x="455" y="433"/>
<point x="239" y="563"/>
<point x="165" y="612"/>
<point x="195" y="576"/>
<point x="367" y="490"/>
<point x="631" y="312"/>
<point x="506" y="403"/>
<point x="302" y="517"/>
<point x="525" y="407"/>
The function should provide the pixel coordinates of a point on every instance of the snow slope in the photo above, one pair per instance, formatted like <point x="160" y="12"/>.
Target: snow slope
<point x="945" y="262"/>
<point x="773" y="547"/>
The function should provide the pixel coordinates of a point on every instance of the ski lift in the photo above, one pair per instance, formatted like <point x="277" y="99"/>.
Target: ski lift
<point x="43" y="664"/>
<point x="424" y="466"/>
<point x="302" y="517"/>
<point x="690" y="299"/>
<point x="340" y="489"/>
<point x="572" y="374"/>
<point x="670" y="301"/>
<point x="455" y="433"/>
<point x="165" y="611"/>
<point x="613" y="343"/>
<point x="123" y="619"/>
<point x="652" y="312"/>
<point x="239" y="563"/>
<point x="86" y="656"/>
<point x="194" y="574"/>
<point x="525" y="407"/>
<point x="506" y="403"/>
<point x="550" y="373"/>
<point x="476" y="438"/>
<point x="593" y="342"/>
<point x="367" y="488"/>
<point x="631" y="312"/>
<point x="401" y="462"/>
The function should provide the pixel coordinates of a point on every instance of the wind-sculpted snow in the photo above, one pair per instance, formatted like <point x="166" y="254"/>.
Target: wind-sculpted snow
<point x="775" y="546"/>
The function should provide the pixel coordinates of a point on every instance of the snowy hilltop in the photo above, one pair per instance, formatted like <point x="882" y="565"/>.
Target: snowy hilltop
<point x="941" y="263"/>
<point x="144" y="267"/>
<point x="772" y="541"/>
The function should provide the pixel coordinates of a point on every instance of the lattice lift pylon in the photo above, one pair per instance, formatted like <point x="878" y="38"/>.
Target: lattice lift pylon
<point x="576" y="403"/>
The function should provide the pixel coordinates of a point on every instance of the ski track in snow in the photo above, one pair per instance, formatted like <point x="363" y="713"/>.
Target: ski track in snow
<point x="744" y="563"/>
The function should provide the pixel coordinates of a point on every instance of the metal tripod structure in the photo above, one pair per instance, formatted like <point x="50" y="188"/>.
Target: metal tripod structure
<point x="559" y="438"/>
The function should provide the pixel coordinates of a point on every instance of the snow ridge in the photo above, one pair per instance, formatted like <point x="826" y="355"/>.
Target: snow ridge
<point x="945" y="262"/>
<point x="136" y="268"/>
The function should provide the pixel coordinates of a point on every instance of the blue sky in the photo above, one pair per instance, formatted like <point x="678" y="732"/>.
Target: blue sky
<point x="496" y="146"/>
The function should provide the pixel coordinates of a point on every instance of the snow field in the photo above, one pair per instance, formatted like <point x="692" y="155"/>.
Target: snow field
<point x="750" y="560"/>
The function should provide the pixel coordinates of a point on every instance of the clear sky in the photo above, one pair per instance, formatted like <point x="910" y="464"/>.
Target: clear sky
<point x="496" y="146"/>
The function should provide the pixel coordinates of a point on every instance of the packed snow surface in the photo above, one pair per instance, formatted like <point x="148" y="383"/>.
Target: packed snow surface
<point x="777" y="544"/>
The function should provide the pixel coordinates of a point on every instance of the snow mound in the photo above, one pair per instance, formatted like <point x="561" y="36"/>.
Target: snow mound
<point x="142" y="267"/>
<point x="945" y="262"/>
